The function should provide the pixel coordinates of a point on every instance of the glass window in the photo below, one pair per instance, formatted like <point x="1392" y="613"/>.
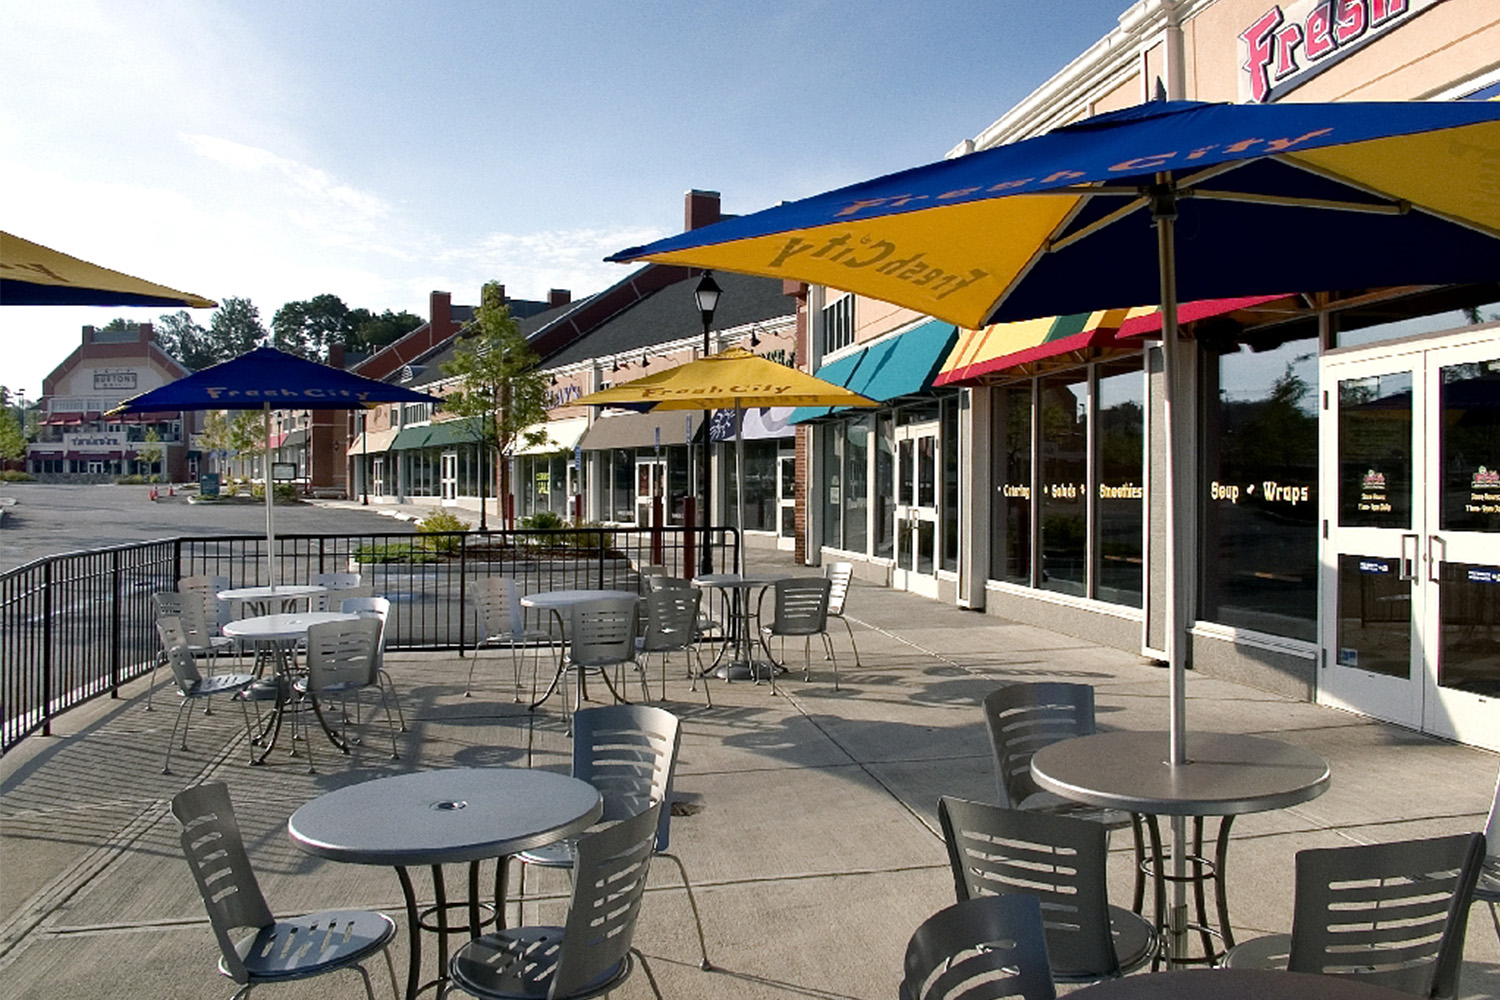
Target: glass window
<point x="759" y="484"/>
<point x="1375" y="451"/>
<point x="1010" y="506"/>
<point x="622" y="494"/>
<point x="885" y="488"/>
<point x="831" y="437"/>
<point x="1470" y="446"/>
<point x="838" y="324"/>
<point x="1120" y="412"/>
<point x="1413" y="315"/>
<point x="856" y="484"/>
<point x="1064" y="468"/>
<point x="950" y="485"/>
<point x="1259" y="550"/>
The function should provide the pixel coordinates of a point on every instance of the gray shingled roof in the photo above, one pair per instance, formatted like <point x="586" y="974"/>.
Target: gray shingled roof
<point x="431" y="363"/>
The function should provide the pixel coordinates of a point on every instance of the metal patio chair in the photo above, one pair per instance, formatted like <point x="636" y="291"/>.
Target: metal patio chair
<point x="802" y="610"/>
<point x="342" y="660"/>
<point x="601" y="634"/>
<point x="219" y="613"/>
<point x="502" y="622"/>
<point x="1487" y="888"/>
<point x="593" y="952"/>
<point x="990" y="946"/>
<point x="198" y="631"/>
<point x="1060" y="860"/>
<point x="1024" y="717"/>
<point x="277" y="950"/>
<point x="1392" y="915"/>
<point x="840" y="574"/>
<point x="629" y="753"/>
<point x="192" y="685"/>
<point x="378" y="608"/>
<point x="671" y="626"/>
<point x="336" y="584"/>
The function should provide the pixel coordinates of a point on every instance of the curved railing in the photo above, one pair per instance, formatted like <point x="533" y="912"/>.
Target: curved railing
<point x="79" y="625"/>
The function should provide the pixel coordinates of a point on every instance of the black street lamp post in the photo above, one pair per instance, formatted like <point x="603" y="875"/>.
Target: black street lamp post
<point x="707" y="296"/>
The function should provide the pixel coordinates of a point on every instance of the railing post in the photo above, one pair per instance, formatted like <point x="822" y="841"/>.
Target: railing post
<point x="463" y="589"/>
<point x="176" y="561"/>
<point x="601" y="560"/>
<point x="47" y="648"/>
<point x="114" y="624"/>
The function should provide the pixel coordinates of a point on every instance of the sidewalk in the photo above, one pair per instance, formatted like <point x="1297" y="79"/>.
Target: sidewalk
<point x="807" y="822"/>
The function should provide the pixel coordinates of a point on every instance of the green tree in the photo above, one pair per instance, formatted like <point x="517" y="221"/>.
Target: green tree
<point x="235" y="328"/>
<point x="308" y="328"/>
<point x="12" y="437"/>
<point x="372" y="332"/>
<point x="186" y="340"/>
<point x="498" y="385"/>
<point x="151" y="452"/>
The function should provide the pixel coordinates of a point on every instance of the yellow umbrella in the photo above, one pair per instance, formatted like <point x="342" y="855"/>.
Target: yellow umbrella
<point x="734" y="378"/>
<point x="34" y="275"/>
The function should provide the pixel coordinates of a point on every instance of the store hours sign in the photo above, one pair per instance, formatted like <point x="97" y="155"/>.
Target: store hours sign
<point x="1293" y="42"/>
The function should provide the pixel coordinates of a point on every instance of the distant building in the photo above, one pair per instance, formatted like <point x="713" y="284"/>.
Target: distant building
<point x="77" y="443"/>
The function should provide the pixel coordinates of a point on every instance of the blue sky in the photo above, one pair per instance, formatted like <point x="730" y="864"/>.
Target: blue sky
<point x="379" y="150"/>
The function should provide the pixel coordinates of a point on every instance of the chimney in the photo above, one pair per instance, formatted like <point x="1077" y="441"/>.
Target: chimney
<point x="145" y="333"/>
<point x="440" y="312"/>
<point x="88" y="335"/>
<point x="701" y="209"/>
<point x="558" y="297"/>
<point x="336" y="355"/>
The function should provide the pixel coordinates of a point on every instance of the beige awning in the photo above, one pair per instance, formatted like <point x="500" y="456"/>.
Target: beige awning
<point x="373" y="441"/>
<point x="562" y="435"/>
<point x="642" y="430"/>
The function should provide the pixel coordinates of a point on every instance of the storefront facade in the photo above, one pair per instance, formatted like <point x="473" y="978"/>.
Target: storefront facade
<point x="1341" y="468"/>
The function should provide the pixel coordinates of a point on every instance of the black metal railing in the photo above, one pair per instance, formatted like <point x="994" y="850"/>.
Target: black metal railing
<point x="79" y="625"/>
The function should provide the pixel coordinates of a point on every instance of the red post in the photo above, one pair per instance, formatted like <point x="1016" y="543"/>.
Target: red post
<point x="689" y="536"/>
<point x="656" y="541"/>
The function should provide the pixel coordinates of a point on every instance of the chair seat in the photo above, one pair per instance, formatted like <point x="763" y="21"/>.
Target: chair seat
<point x="1135" y="943"/>
<point x="511" y="638"/>
<point x="337" y="938"/>
<point x="1273" y="951"/>
<point x="1056" y="805"/>
<point x="1487" y="889"/>
<point x="517" y="964"/>
<point x="222" y="684"/>
<point x="558" y="854"/>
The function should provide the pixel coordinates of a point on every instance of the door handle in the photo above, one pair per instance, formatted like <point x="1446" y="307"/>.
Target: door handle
<point x="1435" y="561"/>
<point x="1410" y="550"/>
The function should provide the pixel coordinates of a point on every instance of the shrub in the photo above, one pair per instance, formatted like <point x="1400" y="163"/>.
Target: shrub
<point x="396" y="552"/>
<point x="440" y="524"/>
<point x="285" y="492"/>
<point x="15" y="476"/>
<point x="543" y="520"/>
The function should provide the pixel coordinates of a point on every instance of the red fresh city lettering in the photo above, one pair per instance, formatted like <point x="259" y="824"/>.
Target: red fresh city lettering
<point x="1259" y="41"/>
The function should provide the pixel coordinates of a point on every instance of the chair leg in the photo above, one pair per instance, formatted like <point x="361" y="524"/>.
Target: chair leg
<point x="390" y="723"/>
<point x="705" y="964"/>
<point x="852" y="644"/>
<point x="166" y="765"/>
<point x="515" y="663"/>
<point x="385" y="680"/>
<point x="646" y="968"/>
<point x="469" y="684"/>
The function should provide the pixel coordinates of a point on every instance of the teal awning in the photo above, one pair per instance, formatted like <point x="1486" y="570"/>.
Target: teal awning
<point x="446" y="433"/>
<point x="410" y="437"/>
<point x="903" y="365"/>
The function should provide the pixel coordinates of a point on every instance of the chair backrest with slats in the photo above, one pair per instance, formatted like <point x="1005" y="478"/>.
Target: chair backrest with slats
<point x="342" y="654"/>
<point x="216" y="854"/>
<point x="216" y="612"/>
<point x="497" y="604"/>
<point x="663" y="582"/>
<point x="603" y="631"/>
<point x="980" y="949"/>
<point x="671" y="619"/>
<point x="801" y="606"/>
<point x="839" y="574"/>
<point x="377" y="608"/>
<point x="1060" y="860"/>
<point x="1392" y="915"/>
<point x="1024" y="717"/>
<point x="179" y="654"/>
<point x="609" y="881"/>
<point x="333" y="583"/>
<point x="629" y="753"/>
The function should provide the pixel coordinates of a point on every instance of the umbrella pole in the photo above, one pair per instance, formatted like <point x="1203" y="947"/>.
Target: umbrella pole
<point x="739" y="491"/>
<point x="270" y="504"/>
<point x="1164" y="213"/>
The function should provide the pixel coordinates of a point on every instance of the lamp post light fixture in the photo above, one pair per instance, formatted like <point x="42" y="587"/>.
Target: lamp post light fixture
<point x="364" y="458"/>
<point x="706" y="295"/>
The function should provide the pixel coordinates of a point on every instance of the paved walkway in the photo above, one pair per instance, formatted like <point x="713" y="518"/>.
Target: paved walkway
<point x="807" y="822"/>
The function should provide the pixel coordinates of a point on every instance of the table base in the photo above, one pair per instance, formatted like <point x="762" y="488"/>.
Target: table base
<point x="748" y="670"/>
<point x="417" y="921"/>
<point x="1173" y="925"/>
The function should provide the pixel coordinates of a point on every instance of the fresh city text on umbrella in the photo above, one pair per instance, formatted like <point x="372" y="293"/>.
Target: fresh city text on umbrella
<point x="224" y="392"/>
<point x="867" y="251"/>
<point x="766" y="389"/>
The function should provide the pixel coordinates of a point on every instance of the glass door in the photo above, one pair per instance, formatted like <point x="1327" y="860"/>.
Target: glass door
<point x="1411" y="567"/>
<point x="650" y="482"/>
<point x="916" y="508"/>
<point x="449" y="475"/>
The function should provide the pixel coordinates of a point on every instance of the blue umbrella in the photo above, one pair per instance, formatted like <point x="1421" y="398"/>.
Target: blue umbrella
<point x="267" y="379"/>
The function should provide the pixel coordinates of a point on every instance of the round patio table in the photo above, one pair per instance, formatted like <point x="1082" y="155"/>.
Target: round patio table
<point x="260" y="599"/>
<point x="278" y="634"/>
<point x="446" y="816"/>
<point x="557" y="602"/>
<point x="1235" y="984"/>
<point x="743" y="636"/>
<point x="1227" y="774"/>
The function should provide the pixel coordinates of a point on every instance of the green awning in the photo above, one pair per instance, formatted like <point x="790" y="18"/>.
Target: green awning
<point x="903" y="365"/>
<point x="444" y="434"/>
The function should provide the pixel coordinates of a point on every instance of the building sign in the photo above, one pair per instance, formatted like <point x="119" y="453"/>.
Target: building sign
<point x="104" y="440"/>
<point x="114" y="380"/>
<point x="1293" y="42"/>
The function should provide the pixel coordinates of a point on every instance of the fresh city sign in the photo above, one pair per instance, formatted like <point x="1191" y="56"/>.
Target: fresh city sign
<point x="1292" y="43"/>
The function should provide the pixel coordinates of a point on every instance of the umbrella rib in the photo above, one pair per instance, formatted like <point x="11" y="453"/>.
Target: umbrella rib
<point x="1398" y="208"/>
<point x="1129" y="208"/>
<point x="1037" y="255"/>
<point x="1332" y="175"/>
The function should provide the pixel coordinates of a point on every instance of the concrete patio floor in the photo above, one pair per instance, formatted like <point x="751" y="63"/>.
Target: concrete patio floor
<point x="807" y="822"/>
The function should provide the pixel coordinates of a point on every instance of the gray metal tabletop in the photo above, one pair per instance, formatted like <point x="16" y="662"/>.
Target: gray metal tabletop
<point x="556" y="600"/>
<point x="1227" y="773"/>
<point x="445" y="816"/>
<point x="284" y="627"/>
<point x="1235" y="984"/>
